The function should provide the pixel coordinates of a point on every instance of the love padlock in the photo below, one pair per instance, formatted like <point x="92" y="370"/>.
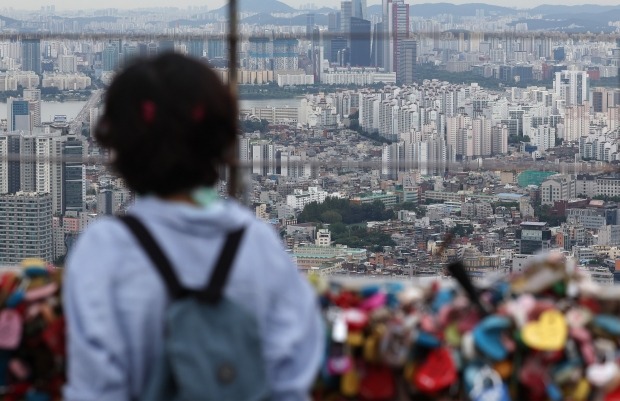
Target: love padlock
<point x="549" y="333"/>
<point x="436" y="373"/>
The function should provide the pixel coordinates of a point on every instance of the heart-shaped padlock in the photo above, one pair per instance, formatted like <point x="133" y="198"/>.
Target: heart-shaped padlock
<point x="437" y="372"/>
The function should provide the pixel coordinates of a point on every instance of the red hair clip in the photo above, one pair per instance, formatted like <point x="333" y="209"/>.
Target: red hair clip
<point x="148" y="111"/>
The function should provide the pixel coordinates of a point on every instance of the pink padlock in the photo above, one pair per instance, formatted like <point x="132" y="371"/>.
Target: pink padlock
<point x="374" y="302"/>
<point x="41" y="292"/>
<point x="10" y="329"/>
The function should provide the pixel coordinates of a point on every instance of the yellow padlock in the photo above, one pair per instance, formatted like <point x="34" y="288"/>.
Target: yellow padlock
<point x="371" y="348"/>
<point x="350" y="383"/>
<point x="409" y="370"/>
<point x="37" y="282"/>
<point x="355" y="339"/>
<point x="581" y="391"/>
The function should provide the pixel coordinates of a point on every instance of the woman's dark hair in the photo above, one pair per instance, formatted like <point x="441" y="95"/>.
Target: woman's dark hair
<point x="170" y="123"/>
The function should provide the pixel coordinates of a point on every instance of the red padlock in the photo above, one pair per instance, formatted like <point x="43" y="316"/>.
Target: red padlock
<point x="377" y="384"/>
<point x="436" y="373"/>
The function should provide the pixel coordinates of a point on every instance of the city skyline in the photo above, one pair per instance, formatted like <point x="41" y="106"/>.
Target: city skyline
<point x="75" y="5"/>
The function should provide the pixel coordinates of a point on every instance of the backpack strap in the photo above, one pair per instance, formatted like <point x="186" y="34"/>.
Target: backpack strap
<point x="212" y="293"/>
<point x="159" y="259"/>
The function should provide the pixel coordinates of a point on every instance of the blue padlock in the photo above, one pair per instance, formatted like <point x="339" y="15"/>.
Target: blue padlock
<point x="489" y="386"/>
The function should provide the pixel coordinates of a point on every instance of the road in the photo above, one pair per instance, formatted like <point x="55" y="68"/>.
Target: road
<point x="75" y="128"/>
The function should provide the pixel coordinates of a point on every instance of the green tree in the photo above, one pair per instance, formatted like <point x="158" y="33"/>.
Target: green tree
<point x="331" y="217"/>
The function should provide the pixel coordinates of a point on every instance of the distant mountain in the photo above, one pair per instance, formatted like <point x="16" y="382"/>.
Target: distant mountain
<point x="427" y="10"/>
<point x="268" y="19"/>
<point x="259" y="6"/>
<point x="323" y="10"/>
<point x="547" y="9"/>
<point x="10" y="22"/>
<point x="570" y="22"/>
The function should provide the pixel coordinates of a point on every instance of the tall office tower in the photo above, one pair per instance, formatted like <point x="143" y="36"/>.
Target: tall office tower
<point x="31" y="55"/>
<point x="317" y="54"/>
<point x="73" y="176"/>
<point x="142" y="49"/>
<point x="359" y="9"/>
<point x="33" y="96"/>
<point x="18" y="115"/>
<point x="285" y="54"/>
<point x="572" y="87"/>
<point x="309" y="25"/>
<point x="376" y="51"/>
<point x="333" y="28"/>
<point x="152" y="49"/>
<point x="110" y="57"/>
<point x="407" y="53"/>
<point x="337" y="46"/>
<point x="215" y="48"/>
<point x="166" y="45"/>
<point x="333" y="22"/>
<point x="259" y="53"/>
<point x="130" y="53"/>
<point x="196" y="48"/>
<point x="25" y="227"/>
<point x="396" y="28"/>
<point x="67" y="64"/>
<point x="360" y="42"/>
<point x="346" y="12"/>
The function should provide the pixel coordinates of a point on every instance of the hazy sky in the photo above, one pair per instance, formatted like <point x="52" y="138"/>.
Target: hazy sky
<point x="80" y="4"/>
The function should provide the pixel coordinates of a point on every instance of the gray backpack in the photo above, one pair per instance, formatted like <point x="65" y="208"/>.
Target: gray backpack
<point x="212" y="348"/>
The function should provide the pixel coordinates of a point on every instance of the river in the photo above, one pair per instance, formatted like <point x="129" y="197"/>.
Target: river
<point x="51" y="109"/>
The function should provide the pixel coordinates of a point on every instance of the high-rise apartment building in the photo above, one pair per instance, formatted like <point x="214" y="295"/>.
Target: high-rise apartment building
<point x="285" y="54"/>
<point x="42" y="170"/>
<point x="260" y="53"/>
<point x="33" y="96"/>
<point x="25" y="227"/>
<point x="31" y="55"/>
<point x="67" y="63"/>
<point x="572" y="86"/>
